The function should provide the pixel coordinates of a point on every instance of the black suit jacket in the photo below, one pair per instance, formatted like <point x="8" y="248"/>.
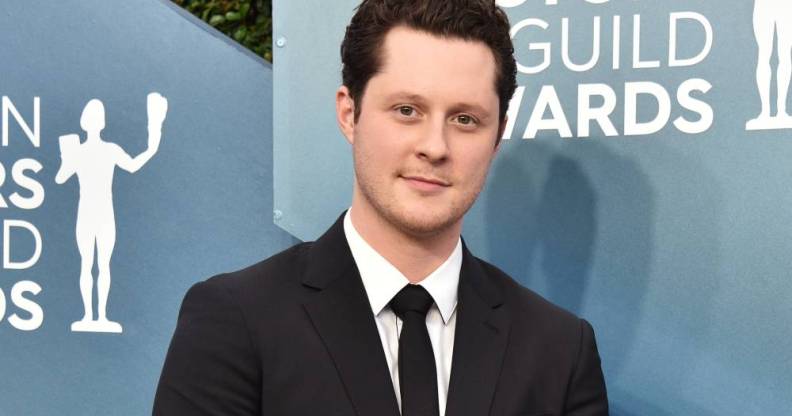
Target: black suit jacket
<point x="295" y="335"/>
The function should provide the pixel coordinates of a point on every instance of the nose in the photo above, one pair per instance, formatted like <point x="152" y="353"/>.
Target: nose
<point x="432" y="146"/>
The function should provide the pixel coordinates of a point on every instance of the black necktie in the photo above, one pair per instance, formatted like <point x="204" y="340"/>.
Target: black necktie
<point x="417" y="372"/>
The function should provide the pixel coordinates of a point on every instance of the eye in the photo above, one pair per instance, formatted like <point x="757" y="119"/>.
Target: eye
<point x="406" y="110"/>
<point x="466" y="120"/>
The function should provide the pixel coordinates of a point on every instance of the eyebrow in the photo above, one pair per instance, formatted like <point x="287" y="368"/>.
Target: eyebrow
<point x="482" y="112"/>
<point x="407" y="96"/>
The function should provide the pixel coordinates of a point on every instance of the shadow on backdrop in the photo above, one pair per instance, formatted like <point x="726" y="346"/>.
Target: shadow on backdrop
<point x="545" y="228"/>
<point x="544" y="204"/>
<point x="566" y="230"/>
<point x="577" y="221"/>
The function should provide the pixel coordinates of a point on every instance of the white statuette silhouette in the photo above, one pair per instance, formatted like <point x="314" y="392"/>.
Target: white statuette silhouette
<point x="773" y="17"/>
<point x="94" y="161"/>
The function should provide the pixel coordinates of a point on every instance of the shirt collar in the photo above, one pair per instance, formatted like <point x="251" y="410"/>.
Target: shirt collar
<point x="383" y="281"/>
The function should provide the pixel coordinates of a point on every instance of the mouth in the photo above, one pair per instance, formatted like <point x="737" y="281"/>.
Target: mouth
<point x="425" y="183"/>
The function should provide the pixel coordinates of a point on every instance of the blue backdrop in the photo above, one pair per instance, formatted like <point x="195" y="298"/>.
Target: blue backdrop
<point x="671" y="237"/>
<point x="202" y="205"/>
<point x="662" y="218"/>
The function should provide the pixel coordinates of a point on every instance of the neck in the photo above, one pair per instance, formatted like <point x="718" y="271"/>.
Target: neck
<point x="415" y="256"/>
<point x="93" y="136"/>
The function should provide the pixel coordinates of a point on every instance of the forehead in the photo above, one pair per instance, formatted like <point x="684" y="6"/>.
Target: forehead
<point x="430" y="64"/>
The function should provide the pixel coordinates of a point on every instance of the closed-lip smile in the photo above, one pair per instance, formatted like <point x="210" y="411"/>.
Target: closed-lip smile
<point x="432" y="181"/>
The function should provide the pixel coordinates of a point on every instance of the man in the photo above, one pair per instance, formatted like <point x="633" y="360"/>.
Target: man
<point x="388" y="313"/>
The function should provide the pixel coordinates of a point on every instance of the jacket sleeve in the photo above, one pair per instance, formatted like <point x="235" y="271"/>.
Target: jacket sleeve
<point x="586" y="395"/>
<point x="211" y="367"/>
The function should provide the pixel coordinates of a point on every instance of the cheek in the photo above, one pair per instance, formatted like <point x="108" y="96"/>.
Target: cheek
<point x="382" y="144"/>
<point x="372" y="156"/>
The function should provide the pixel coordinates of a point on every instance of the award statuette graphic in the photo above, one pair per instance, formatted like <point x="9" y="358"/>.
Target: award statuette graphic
<point x="772" y="17"/>
<point x="94" y="161"/>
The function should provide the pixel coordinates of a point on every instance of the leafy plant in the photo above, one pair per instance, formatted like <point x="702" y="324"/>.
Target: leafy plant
<point x="249" y="22"/>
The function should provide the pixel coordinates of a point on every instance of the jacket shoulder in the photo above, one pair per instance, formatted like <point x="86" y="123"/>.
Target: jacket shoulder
<point x="277" y="271"/>
<point x="216" y="337"/>
<point x="558" y="347"/>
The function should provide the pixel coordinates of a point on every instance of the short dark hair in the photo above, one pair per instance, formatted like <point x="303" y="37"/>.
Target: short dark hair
<point x="477" y="20"/>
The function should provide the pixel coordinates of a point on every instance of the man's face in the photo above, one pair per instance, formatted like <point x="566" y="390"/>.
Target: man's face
<point x="427" y="130"/>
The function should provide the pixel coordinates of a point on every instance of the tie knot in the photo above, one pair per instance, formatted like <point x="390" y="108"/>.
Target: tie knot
<point x="412" y="298"/>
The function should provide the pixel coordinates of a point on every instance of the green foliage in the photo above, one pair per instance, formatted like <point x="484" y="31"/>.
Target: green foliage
<point x="249" y="22"/>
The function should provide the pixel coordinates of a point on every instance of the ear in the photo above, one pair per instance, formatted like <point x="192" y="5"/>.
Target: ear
<point x="345" y="113"/>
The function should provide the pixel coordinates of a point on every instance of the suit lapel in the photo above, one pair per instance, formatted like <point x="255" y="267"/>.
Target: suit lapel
<point x="342" y="316"/>
<point x="479" y="344"/>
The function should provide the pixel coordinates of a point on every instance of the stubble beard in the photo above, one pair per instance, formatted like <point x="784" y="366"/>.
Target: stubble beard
<point x="416" y="222"/>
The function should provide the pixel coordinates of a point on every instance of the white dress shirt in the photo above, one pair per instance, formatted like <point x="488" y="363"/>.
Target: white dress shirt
<point x="383" y="281"/>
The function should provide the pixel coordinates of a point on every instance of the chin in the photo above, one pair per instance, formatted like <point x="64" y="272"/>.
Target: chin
<point x="419" y="221"/>
<point x="416" y="216"/>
